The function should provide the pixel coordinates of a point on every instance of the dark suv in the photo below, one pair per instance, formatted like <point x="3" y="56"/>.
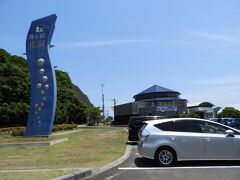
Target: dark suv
<point x="136" y="123"/>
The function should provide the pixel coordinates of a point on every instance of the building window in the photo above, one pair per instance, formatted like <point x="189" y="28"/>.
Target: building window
<point x="151" y="104"/>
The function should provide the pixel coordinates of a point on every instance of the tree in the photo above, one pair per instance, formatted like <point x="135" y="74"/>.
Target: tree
<point x="14" y="90"/>
<point x="108" y="120"/>
<point x="93" y="115"/>
<point x="229" y="112"/>
<point x="190" y="115"/>
<point x="69" y="107"/>
<point x="15" y="94"/>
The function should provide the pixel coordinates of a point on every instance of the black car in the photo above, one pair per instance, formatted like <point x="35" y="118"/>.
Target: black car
<point x="136" y="123"/>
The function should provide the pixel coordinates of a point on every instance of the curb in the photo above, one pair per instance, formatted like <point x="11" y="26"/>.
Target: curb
<point x="114" y="163"/>
<point x="88" y="172"/>
<point x="75" y="176"/>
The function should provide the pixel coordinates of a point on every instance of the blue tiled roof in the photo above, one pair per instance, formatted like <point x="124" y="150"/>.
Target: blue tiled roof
<point x="156" y="89"/>
<point x="162" y="99"/>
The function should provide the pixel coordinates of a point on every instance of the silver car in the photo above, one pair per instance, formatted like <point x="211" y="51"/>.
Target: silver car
<point x="170" y="140"/>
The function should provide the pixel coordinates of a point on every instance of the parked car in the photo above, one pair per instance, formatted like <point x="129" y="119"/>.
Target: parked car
<point x="233" y="122"/>
<point x="136" y="123"/>
<point x="170" y="140"/>
<point x="226" y="120"/>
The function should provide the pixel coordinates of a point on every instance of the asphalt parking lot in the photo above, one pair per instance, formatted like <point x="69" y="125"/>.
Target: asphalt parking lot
<point x="136" y="167"/>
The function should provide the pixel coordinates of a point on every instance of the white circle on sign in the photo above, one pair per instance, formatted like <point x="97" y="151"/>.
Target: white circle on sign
<point x="46" y="86"/>
<point x="42" y="92"/>
<point x="41" y="71"/>
<point x="40" y="61"/>
<point x="44" y="78"/>
<point x="38" y="85"/>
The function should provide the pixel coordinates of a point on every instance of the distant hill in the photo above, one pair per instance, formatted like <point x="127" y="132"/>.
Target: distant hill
<point x="82" y="97"/>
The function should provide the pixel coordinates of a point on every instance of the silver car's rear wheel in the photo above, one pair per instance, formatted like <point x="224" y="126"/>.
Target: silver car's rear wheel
<point x="165" y="157"/>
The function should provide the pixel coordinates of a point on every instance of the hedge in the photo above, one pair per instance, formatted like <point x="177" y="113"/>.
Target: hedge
<point x="19" y="131"/>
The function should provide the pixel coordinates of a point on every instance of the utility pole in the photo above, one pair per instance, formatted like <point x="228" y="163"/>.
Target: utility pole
<point x="114" y="102"/>
<point x="103" y="113"/>
<point x="114" y="105"/>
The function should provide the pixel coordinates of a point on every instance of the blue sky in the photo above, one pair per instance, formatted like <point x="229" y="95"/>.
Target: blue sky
<point x="129" y="45"/>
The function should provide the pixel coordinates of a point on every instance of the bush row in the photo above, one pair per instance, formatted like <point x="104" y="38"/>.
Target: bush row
<point x="61" y="127"/>
<point x="19" y="131"/>
<point x="13" y="131"/>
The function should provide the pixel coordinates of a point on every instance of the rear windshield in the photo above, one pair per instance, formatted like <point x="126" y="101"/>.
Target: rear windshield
<point x="144" y="125"/>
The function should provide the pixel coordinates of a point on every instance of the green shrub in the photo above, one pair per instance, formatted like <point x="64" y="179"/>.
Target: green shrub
<point x="64" y="127"/>
<point x="19" y="131"/>
<point x="190" y="115"/>
<point x="13" y="131"/>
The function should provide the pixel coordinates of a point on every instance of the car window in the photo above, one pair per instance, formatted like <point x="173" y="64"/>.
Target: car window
<point x="187" y="126"/>
<point x="237" y="120"/>
<point x="208" y="127"/>
<point x="143" y="127"/>
<point x="181" y="126"/>
<point x="166" y="126"/>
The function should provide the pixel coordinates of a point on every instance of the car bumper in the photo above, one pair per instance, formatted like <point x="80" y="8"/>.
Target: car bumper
<point x="145" y="150"/>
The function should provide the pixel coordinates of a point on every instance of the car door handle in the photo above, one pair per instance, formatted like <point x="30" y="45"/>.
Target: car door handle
<point x="173" y="138"/>
<point x="207" y="139"/>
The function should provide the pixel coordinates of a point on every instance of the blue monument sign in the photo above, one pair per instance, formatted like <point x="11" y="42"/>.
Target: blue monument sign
<point x="42" y="76"/>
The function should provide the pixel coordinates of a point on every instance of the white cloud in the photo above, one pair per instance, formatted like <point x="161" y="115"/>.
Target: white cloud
<point x="106" y="42"/>
<point x="215" y="36"/>
<point x="224" y="38"/>
<point x="230" y="80"/>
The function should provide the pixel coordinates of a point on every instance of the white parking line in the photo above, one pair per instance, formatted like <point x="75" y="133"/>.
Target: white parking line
<point x="169" y="168"/>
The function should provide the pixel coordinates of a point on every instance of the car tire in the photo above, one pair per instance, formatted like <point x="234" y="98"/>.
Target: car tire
<point x="165" y="157"/>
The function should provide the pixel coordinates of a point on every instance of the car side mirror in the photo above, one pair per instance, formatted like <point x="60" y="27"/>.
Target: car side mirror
<point x="229" y="132"/>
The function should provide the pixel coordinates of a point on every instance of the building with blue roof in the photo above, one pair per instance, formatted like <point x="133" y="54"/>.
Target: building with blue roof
<point x="155" y="101"/>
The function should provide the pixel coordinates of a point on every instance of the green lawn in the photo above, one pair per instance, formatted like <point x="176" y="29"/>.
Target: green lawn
<point x="89" y="148"/>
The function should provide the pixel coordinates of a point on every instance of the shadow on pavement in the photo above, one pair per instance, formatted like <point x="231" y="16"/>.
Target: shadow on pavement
<point x="208" y="163"/>
<point x="132" y="143"/>
<point x="144" y="162"/>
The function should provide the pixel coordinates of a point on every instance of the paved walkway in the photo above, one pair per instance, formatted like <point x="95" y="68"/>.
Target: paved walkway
<point x="62" y="133"/>
<point x="33" y="170"/>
